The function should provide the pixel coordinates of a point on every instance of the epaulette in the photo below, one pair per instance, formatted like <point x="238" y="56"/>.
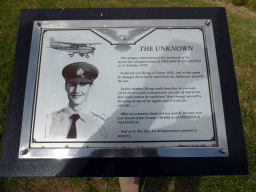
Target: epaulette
<point x="104" y="119"/>
<point x="55" y="113"/>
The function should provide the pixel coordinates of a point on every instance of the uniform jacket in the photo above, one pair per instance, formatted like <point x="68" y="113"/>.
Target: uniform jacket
<point x="89" y="125"/>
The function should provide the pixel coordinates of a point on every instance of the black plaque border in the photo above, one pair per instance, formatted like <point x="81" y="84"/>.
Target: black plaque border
<point x="234" y="164"/>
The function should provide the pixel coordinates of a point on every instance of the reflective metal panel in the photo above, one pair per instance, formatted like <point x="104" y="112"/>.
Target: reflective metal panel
<point x="141" y="88"/>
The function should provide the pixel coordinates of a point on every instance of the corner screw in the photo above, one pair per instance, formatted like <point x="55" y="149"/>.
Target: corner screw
<point x="24" y="152"/>
<point x="207" y="23"/>
<point x="38" y="24"/>
<point x="222" y="150"/>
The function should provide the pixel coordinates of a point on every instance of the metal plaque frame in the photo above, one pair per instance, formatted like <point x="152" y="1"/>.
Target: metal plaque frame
<point x="220" y="149"/>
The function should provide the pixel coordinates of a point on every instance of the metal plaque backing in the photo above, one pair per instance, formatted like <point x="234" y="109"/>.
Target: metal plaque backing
<point x="207" y="138"/>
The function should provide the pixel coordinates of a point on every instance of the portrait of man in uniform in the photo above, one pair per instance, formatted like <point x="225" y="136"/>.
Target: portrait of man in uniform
<point x="77" y="120"/>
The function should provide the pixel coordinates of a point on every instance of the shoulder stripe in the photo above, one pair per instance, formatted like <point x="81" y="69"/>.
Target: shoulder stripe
<point x="57" y="112"/>
<point x="98" y="116"/>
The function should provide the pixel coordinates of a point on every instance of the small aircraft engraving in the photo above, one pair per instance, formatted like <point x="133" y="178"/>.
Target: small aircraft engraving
<point x="83" y="49"/>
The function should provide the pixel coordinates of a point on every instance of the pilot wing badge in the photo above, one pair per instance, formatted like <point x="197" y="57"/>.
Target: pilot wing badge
<point x="82" y="49"/>
<point x="123" y="38"/>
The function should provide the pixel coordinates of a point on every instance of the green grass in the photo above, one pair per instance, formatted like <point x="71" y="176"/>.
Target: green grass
<point x="250" y="4"/>
<point x="243" y="40"/>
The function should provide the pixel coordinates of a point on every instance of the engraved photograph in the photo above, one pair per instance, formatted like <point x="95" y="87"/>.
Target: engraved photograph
<point x="119" y="87"/>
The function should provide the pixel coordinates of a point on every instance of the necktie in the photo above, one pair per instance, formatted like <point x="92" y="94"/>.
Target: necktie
<point x="72" y="131"/>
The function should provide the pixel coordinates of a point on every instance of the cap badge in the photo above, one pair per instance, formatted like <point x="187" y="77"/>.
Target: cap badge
<point x="80" y="72"/>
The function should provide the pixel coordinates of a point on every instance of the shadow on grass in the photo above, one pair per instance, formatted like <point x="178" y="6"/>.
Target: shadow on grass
<point x="180" y="183"/>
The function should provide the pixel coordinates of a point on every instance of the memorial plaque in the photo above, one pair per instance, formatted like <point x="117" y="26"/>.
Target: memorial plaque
<point x="157" y="86"/>
<point x="131" y="91"/>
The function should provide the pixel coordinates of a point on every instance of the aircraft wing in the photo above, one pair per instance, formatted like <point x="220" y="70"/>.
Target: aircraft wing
<point x="66" y="43"/>
<point x="85" y="44"/>
<point x="51" y="39"/>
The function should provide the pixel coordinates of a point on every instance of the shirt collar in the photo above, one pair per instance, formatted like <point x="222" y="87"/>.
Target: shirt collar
<point x="83" y="113"/>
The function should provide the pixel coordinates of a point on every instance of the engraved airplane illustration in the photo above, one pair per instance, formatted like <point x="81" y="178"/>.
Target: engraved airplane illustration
<point x="83" y="49"/>
<point x="122" y="39"/>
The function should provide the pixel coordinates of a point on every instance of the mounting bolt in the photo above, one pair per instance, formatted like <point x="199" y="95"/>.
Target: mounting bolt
<point x="222" y="150"/>
<point x="24" y="152"/>
<point x="38" y="24"/>
<point x="207" y="23"/>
